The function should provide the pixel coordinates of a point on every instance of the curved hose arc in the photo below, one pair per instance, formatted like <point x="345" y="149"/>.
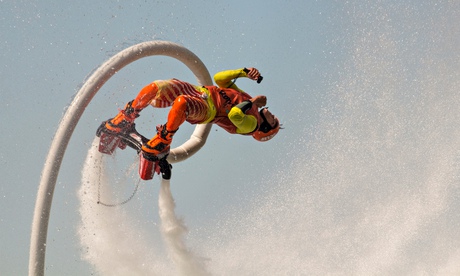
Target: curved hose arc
<point x="73" y="115"/>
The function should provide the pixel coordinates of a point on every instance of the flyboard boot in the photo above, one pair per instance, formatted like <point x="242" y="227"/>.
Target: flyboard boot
<point x="112" y="131"/>
<point x="154" y="153"/>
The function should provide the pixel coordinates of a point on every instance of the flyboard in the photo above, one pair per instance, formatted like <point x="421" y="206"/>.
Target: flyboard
<point x="110" y="141"/>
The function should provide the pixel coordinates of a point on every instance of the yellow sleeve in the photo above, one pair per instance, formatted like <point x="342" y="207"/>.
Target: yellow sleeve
<point x="224" y="79"/>
<point x="244" y="123"/>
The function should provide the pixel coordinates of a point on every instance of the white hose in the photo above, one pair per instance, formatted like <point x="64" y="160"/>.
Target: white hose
<point x="72" y="116"/>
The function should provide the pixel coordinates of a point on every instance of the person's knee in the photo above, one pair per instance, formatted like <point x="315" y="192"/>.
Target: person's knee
<point x="180" y="103"/>
<point x="177" y="114"/>
<point x="146" y="96"/>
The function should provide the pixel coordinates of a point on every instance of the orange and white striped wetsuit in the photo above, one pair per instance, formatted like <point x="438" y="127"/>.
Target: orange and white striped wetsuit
<point x="202" y="104"/>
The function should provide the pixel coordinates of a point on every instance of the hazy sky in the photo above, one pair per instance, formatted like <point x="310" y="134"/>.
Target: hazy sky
<point x="309" y="52"/>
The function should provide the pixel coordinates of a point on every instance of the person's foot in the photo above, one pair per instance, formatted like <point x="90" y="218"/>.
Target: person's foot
<point x="159" y="146"/>
<point x="124" y="120"/>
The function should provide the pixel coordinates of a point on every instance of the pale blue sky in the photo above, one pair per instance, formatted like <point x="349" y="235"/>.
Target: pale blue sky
<point x="329" y="67"/>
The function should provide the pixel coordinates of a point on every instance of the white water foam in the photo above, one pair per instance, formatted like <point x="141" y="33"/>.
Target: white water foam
<point x="111" y="240"/>
<point x="109" y="237"/>
<point x="376" y="192"/>
<point x="173" y="230"/>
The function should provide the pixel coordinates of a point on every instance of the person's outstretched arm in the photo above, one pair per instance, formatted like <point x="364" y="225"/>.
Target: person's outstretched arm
<point x="225" y="79"/>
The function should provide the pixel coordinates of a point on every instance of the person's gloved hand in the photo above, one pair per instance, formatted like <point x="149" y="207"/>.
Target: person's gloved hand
<point x="253" y="73"/>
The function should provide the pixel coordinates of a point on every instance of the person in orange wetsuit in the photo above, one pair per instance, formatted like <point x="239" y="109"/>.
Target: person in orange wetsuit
<point x="225" y="105"/>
